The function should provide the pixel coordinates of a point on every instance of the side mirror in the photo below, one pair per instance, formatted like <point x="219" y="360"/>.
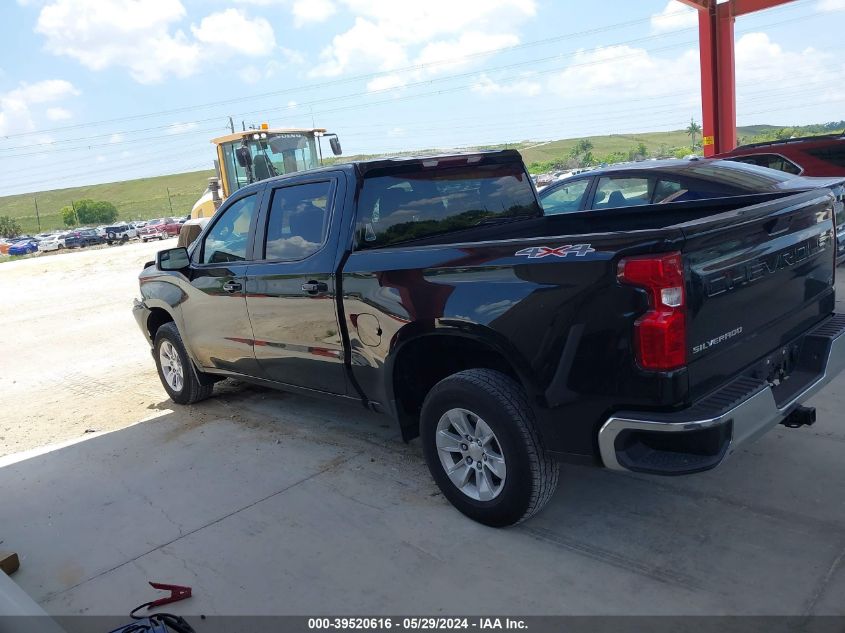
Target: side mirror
<point x="173" y="259"/>
<point x="335" y="143"/>
<point x="243" y="156"/>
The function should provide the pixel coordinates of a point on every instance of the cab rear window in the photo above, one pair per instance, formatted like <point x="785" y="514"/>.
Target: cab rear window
<point x="420" y="203"/>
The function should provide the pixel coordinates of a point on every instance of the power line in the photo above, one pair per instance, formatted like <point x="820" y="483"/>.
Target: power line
<point x="412" y="68"/>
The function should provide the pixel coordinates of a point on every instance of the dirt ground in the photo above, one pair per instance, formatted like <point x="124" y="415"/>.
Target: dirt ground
<point x="73" y="359"/>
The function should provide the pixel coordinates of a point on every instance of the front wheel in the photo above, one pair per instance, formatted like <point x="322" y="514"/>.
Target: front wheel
<point x="175" y="369"/>
<point x="482" y="447"/>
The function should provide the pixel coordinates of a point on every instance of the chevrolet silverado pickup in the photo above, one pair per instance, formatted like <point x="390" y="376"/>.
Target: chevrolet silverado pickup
<point x="656" y="339"/>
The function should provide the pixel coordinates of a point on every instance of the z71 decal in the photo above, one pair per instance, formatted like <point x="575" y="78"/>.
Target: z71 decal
<point x="537" y="252"/>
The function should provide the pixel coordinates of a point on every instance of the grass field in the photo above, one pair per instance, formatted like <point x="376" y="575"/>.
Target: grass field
<point x="135" y="199"/>
<point x="148" y="197"/>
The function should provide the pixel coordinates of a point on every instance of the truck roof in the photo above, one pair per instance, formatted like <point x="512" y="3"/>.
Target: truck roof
<point x="398" y="163"/>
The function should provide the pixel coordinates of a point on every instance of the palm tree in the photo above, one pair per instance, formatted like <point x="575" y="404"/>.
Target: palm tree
<point x="692" y="129"/>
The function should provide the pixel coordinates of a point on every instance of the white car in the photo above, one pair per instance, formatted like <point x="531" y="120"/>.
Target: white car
<point x="53" y="242"/>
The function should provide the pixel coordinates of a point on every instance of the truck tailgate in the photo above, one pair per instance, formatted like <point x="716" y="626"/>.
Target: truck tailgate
<point x="758" y="277"/>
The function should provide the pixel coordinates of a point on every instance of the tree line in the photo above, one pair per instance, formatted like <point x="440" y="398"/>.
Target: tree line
<point x="86" y="212"/>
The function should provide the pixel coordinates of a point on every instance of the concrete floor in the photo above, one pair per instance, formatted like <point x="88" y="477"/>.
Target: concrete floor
<point x="276" y="504"/>
<point x="268" y="503"/>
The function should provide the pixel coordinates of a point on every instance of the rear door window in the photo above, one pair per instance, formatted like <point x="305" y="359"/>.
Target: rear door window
<point x="566" y="198"/>
<point x="614" y="192"/>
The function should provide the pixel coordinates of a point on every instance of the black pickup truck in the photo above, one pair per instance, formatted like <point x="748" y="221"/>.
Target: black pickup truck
<point x="654" y="339"/>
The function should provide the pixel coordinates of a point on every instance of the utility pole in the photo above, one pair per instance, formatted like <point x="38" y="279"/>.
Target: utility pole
<point x="37" y="216"/>
<point x="231" y="125"/>
<point x="169" y="201"/>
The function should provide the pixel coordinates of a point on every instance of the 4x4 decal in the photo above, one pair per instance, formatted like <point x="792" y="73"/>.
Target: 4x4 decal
<point x="537" y="252"/>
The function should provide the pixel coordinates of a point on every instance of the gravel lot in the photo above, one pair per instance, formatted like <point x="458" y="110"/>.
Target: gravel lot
<point x="278" y="504"/>
<point x="73" y="359"/>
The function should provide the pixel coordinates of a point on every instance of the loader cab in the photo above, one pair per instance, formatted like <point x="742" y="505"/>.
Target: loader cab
<point x="253" y="155"/>
<point x="258" y="154"/>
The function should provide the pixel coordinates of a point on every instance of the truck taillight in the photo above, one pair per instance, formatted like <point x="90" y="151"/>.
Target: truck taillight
<point x="660" y="335"/>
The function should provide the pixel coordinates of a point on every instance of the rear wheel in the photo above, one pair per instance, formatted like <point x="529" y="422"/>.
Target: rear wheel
<point x="483" y="449"/>
<point x="177" y="373"/>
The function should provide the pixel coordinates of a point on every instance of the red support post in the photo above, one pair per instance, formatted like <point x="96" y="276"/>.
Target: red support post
<point x="707" y="45"/>
<point x="718" y="67"/>
<point x="726" y="73"/>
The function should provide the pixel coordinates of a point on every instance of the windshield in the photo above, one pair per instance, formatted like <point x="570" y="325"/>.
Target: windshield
<point x="274" y="155"/>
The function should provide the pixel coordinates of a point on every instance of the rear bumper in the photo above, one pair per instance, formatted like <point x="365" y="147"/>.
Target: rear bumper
<point x="700" y="437"/>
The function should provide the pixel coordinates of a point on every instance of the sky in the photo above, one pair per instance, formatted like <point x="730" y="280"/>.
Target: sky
<point x="104" y="90"/>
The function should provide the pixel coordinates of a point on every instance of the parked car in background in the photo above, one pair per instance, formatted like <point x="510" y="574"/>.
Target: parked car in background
<point x="82" y="238"/>
<point x="24" y="246"/>
<point x="154" y="230"/>
<point x="120" y="234"/>
<point x="805" y="156"/>
<point x="173" y="225"/>
<point x="54" y="242"/>
<point x="673" y="181"/>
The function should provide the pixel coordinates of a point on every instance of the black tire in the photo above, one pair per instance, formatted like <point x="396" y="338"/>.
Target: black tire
<point x="124" y="239"/>
<point x="501" y="402"/>
<point x="195" y="387"/>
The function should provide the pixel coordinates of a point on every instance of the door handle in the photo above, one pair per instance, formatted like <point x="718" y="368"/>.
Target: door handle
<point x="315" y="287"/>
<point x="233" y="286"/>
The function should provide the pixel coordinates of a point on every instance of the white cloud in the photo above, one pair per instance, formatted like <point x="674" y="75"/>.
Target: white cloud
<point x="250" y="75"/>
<point x="147" y="38"/>
<point x="308" y="11"/>
<point x="232" y="31"/>
<point x="16" y="106"/>
<point x="388" y="35"/>
<point x="674" y="17"/>
<point x="762" y="62"/>
<point x="830" y="5"/>
<point x="130" y="33"/>
<point x="667" y="87"/>
<point x="58" y="114"/>
<point x="117" y="137"/>
<point x="43" y="91"/>
<point x="179" y="128"/>
<point x="625" y="71"/>
<point x="524" y="87"/>
<point x="442" y="56"/>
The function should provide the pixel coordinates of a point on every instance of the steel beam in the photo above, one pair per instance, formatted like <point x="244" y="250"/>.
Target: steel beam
<point x="718" y="67"/>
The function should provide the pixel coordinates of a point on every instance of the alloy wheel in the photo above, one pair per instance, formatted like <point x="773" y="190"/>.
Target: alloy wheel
<point x="470" y="454"/>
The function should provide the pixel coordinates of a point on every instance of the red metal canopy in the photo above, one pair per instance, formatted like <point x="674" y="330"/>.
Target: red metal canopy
<point x="718" y="75"/>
